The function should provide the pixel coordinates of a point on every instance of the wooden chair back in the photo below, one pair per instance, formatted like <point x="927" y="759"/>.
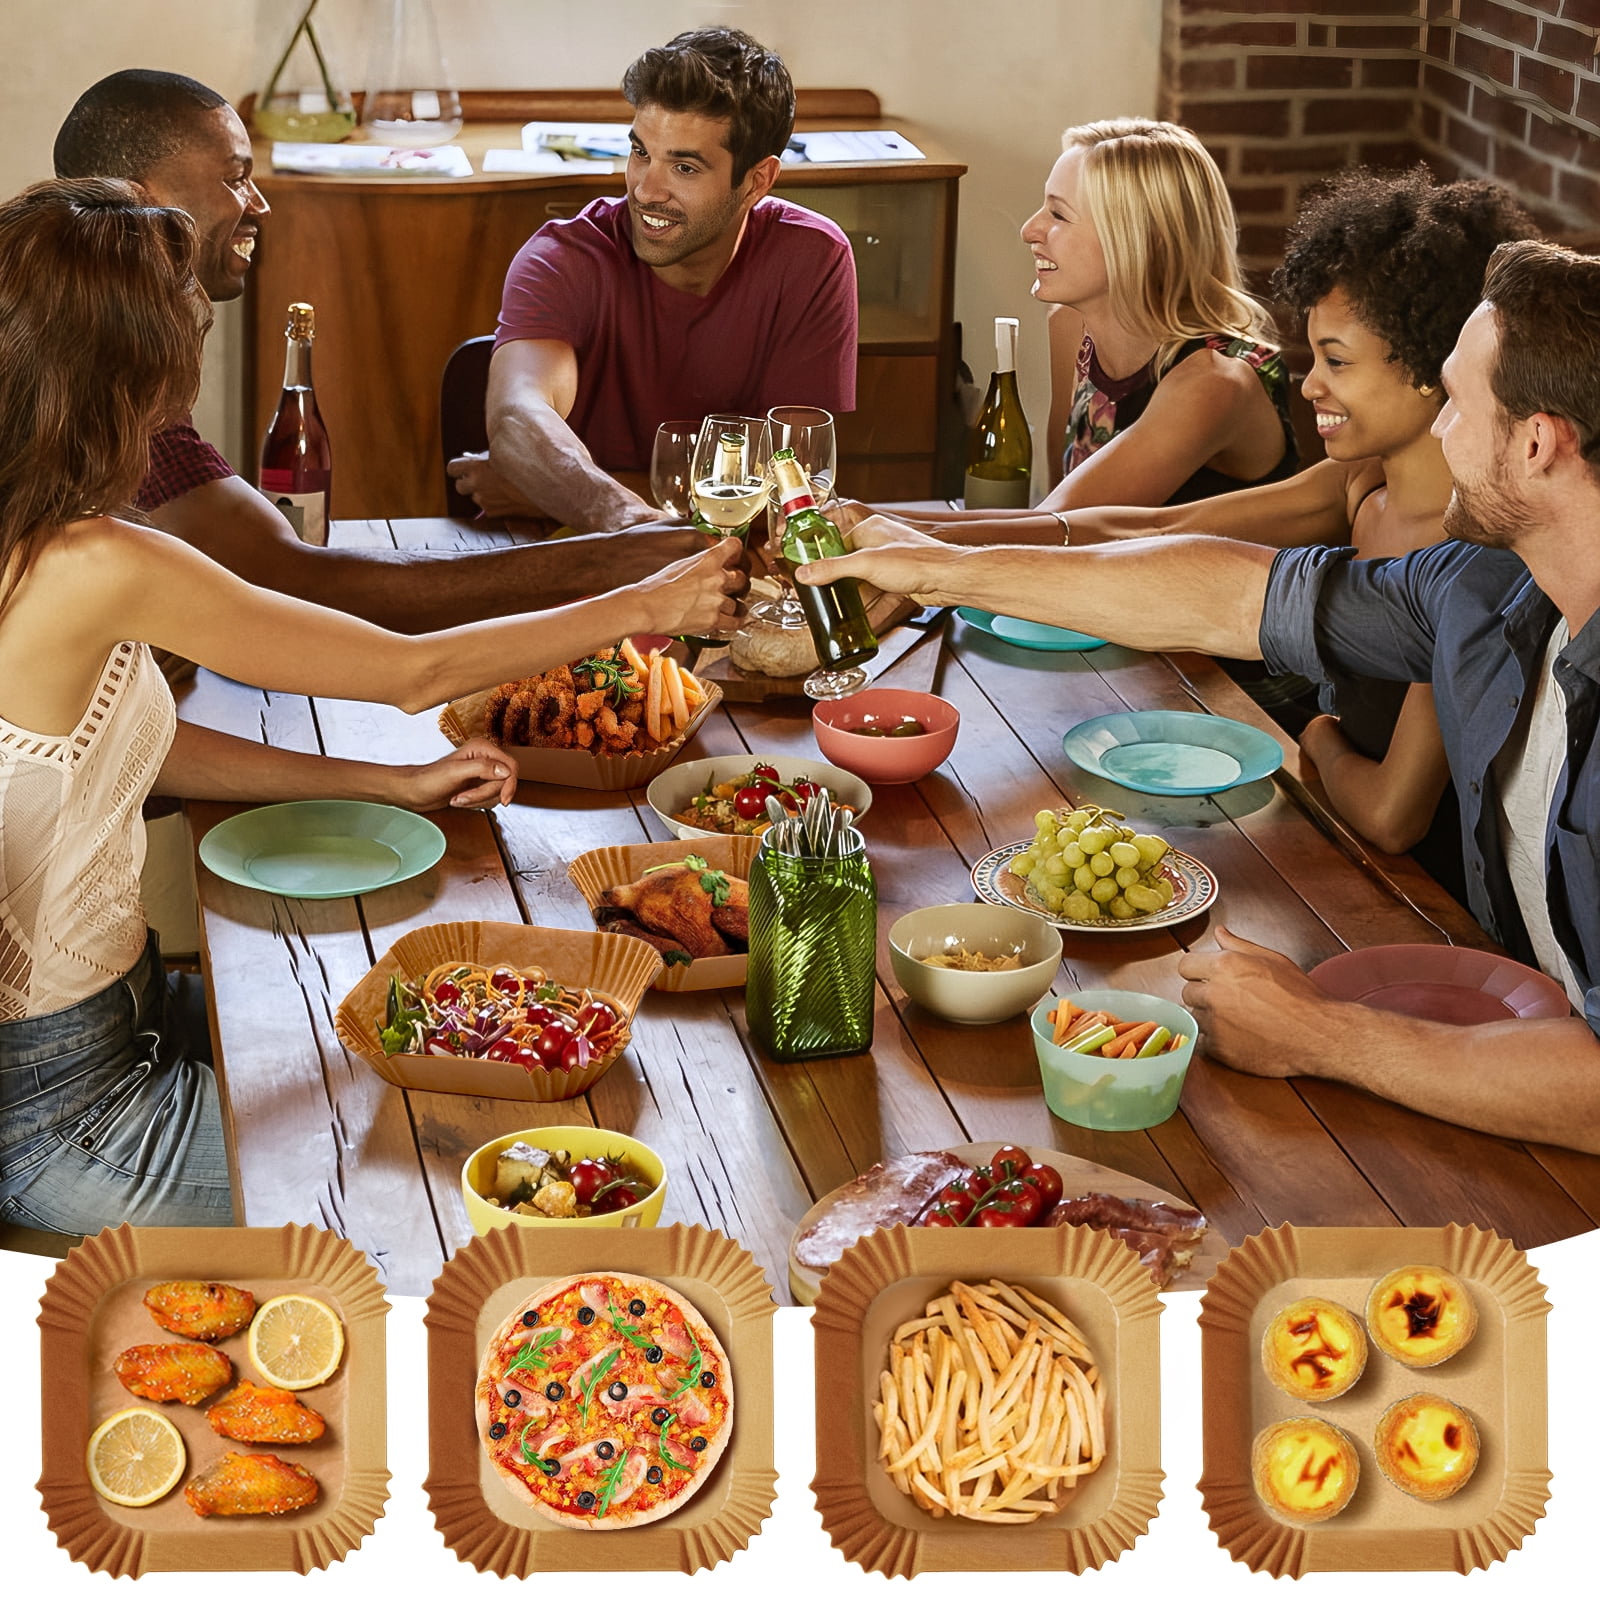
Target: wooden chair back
<point x="462" y="427"/>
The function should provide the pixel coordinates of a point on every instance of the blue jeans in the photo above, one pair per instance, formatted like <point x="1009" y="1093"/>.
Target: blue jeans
<point x="108" y="1115"/>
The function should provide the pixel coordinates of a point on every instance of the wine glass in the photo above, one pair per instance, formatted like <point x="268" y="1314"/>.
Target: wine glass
<point x="727" y="482"/>
<point x="670" y="461"/>
<point x="808" y="431"/>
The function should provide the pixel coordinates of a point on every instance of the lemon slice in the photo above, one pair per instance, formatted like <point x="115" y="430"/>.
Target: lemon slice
<point x="295" y="1341"/>
<point x="135" y="1457"/>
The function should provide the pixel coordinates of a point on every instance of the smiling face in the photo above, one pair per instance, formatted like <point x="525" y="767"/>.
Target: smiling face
<point x="1067" y="254"/>
<point x="685" y="208"/>
<point x="1477" y="439"/>
<point x="1366" y="403"/>
<point x="210" y="179"/>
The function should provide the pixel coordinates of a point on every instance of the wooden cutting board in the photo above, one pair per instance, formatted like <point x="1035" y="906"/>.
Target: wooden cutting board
<point x="885" y="612"/>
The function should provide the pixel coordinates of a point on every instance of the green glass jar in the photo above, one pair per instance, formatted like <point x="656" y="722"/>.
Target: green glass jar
<point x="813" y="952"/>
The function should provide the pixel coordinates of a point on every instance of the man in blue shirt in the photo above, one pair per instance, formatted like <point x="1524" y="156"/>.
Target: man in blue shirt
<point x="1502" y="622"/>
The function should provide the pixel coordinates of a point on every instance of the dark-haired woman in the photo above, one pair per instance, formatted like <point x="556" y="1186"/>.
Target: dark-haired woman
<point x="103" y="1115"/>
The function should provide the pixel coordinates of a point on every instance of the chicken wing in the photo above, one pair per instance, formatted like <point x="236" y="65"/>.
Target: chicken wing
<point x="256" y="1415"/>
<point x="250" y="1486"/>
<point x="208" y="1311"/>
<point x="671" y="900"/>
<point x="186" y="1372"/>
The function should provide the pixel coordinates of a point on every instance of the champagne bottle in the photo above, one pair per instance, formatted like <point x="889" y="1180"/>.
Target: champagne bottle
<point x="296" y="459"/>
<point x="835" y="612"/>
<point x="1000" y="450"/>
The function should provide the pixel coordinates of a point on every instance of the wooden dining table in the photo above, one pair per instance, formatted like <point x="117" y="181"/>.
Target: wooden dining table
<point x="317" y="1136"/>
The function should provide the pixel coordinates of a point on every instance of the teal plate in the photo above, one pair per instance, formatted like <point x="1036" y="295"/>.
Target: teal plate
<point x="321" y="849"/>
<point x="1172" y="752"/>
<point x="1029" y="635"/>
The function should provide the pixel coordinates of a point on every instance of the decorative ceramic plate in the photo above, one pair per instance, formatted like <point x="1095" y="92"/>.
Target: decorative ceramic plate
<point x="1441" y="982"/>
<point x="1194" y="887"/>
<point x="1172" y="752"/>
<point x="1029" y="635"/>
<point x="321" y="849"/>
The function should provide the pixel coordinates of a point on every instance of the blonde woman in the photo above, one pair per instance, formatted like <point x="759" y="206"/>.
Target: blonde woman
<point x="1166" y="386"/>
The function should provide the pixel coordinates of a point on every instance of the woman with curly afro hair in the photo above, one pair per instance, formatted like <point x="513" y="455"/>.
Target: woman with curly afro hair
<point x="1386" y="268"/>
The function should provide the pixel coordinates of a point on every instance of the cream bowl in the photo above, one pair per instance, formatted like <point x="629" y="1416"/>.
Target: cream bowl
<point x="974" y="997"/>
<point x="678" y="785"/>
<point x="886" y="758"/>
<point x="477" y="1179"/>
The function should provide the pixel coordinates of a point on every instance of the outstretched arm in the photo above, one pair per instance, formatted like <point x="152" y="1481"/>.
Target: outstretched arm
<point x="409" y="591"/>
<point x="1259" y="1013"/>
<point x="204" y="764"/>
<point x="532" y="386"/>
<point x="1391" y="802"/>
<point x="1156" y="594"/>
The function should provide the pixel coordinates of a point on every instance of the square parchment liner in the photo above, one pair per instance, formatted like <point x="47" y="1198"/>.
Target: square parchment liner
<point x="1499" y="1377"/>
<point x="889" y="1277"/>
<point x="92" y="1310"/>
<point x="481" y="1285"/>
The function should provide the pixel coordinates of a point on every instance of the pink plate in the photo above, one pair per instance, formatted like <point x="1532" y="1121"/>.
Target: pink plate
<point x="1441" y="983"/>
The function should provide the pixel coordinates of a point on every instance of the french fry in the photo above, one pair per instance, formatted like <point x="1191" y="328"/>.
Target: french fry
<point x="652" y="698"/>
<point x="990" y="1408"/>
<point x="673" y="674"/>
<point x="640" y="667"/>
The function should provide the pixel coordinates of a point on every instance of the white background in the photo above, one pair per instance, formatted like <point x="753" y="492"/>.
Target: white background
<point x="1179" y="1556"/>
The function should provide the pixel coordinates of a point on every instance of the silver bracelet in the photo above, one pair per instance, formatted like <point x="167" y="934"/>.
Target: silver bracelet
<point x="1066" y="527"/>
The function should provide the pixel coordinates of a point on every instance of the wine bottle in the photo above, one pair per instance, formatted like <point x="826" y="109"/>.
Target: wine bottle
<point x="296" y="459"/>
<point x="835" y="612"/>
<point x="1000" y="450"/>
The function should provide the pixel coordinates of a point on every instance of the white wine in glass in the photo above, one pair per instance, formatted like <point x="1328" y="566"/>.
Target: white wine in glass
<point x="728" y="483"/>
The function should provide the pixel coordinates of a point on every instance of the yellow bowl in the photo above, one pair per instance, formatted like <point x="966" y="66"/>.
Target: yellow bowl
<point x="477" y="1175"/>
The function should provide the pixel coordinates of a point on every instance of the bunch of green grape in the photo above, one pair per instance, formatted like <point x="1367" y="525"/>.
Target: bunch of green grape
<point x="1084" y="865"/>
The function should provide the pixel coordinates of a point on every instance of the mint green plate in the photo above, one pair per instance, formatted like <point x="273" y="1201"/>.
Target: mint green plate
<point x="321" y="849"/>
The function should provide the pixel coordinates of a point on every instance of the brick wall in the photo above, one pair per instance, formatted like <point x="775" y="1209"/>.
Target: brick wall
<point x="1285" y="92"/>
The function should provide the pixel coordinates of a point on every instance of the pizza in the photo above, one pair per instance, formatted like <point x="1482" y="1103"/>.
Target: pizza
<point x="604" y="1401"/>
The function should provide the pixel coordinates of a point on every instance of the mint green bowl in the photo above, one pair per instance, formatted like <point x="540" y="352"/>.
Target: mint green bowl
<point x="1091" y="1091"/>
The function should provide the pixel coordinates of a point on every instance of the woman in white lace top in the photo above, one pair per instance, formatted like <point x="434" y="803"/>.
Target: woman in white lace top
<point x="105" y="1115"/>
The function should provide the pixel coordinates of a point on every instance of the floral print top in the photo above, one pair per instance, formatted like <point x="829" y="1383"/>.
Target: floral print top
<point x="1103" y="407"/>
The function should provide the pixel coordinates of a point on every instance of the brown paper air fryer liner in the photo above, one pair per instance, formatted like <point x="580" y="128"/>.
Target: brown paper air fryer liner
<point x="598" y="870"/>
<point x="618" y="970"/>
<point x="1499" y="1378"/>
<point x="92" y="1310"/>
<point x="890" y="1276"/>
<point x="576" y="769"/>
<point x="481" y="1285"/>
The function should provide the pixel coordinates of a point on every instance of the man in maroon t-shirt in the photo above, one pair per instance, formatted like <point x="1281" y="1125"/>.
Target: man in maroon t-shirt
<point x="698" y="292"/>
<point x="183" y="144"/>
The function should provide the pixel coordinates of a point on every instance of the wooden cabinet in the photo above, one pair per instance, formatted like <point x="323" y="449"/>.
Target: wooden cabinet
<point x="401" y="271"/>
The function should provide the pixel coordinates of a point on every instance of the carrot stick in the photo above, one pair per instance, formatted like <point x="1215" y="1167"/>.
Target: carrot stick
<point x="1137" y="1034"/>
<point x="1086" y="1021"/>
<point x="1062" y="1016"/>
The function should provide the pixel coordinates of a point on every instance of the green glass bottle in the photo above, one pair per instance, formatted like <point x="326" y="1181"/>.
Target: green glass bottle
<point x="835" y="612"/>
<point x="1000" y="450"/>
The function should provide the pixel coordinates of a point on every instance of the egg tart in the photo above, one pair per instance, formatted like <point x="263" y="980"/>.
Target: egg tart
<point x="1314" y="1350"/>
<point x="1427" y="1446"/>
<point x="1304" y="1469"/>
<point x="1421" y="1315"/>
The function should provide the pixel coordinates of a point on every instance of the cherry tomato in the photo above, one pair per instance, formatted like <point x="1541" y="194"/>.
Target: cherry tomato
<point x="527" y="1058"/>
<point x="596" y="1019"/>
<point x="765" y="771"/>
<point x="588" y="1178"/>
<point x="505" y="980"/>
<point x="552" y="1042"/>
<point x="941" y="1216"/>
<point x="1008" y="1161"/>
<point x="618" y="1199"/>
<point x="503" y="1049"/>
<point x="751" y="801"/>
<point x="538" y="1012"/>
<point x="576" y="1054"/>
<point x="960" y="1196"/>
<point x="1024" y="1199"/>
<point x="1000" y="1214"/>
<point x="446" y="993"/>
<point x="804" y="788"/>
<point x="1046" y="1180"/>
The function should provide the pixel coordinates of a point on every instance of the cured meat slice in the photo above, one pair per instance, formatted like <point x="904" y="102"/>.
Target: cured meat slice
<point x="894" y="1192"/>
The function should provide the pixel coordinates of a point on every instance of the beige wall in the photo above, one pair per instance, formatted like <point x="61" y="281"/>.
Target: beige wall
<point x="994" y="83"/>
